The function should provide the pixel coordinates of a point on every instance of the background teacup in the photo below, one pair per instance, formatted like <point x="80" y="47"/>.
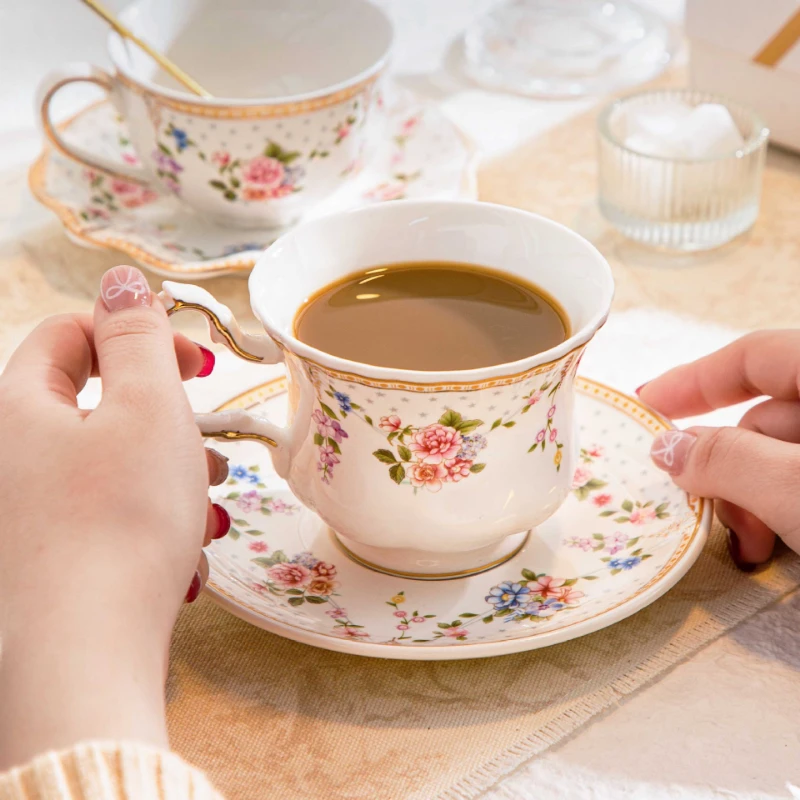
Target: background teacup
<point x="296" y="87"/>
<point x="354" y="448"/>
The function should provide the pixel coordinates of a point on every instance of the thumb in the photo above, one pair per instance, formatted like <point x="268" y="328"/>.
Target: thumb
<point x="134" y="342"/>
<point x="756" y="472"/>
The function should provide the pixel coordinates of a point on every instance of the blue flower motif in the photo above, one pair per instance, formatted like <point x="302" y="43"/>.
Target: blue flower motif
<point x="181" y="139"/>
<point x="305" y="559"/>
<point x="239" y="472"/>
<point x="616" y="563"/>
<point x="252" y="478"/>
<point x="632" y="562"/>
<point x="507" y="595"/>
<point x="344" y="402"/>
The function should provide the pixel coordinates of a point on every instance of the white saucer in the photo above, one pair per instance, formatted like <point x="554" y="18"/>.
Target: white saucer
<point x="625" y="536"/>
<point x="423" y="156"/>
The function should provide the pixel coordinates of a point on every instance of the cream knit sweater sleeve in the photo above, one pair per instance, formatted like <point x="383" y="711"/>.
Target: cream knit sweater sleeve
<point x="107" y="771"/>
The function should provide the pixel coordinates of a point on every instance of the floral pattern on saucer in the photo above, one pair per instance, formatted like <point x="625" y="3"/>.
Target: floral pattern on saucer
<point x="581" y="570"/>
<point x="423" y="156"/>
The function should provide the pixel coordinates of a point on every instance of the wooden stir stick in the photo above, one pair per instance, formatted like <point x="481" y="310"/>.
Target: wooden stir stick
<point x="163" y="61"/>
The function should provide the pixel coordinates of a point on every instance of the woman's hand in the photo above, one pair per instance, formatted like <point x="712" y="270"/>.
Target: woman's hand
<point x="104" y="514"/>
<point x="753" y="470"/>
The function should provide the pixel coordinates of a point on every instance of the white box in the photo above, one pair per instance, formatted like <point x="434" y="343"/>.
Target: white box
<point x="749" y="51"/>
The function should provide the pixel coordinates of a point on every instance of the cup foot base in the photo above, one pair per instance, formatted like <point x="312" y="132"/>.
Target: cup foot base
<point x="428" y="566"/>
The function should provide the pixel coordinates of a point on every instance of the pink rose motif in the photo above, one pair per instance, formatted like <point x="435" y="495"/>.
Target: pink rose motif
<point x="456" y="632"/>
<point x="258" y="547"/>
<point x="435" y="443"/>
<point x="390" y="424"/>
<point x="540" y="436"/>
<point x="221" y="158"/>
<point x="265" y="171"/>
<point x="550" y="412"/>
<point x="342" y="131"/>
<point x="337" y="613"/>
<point x="289" y="575"/>
<point x="399" y="613"/>
<point x="534" y="398"/>
<point x="123" y="187"/>
<point x="249" y="501"/>
<point x="568" y="595"/>
<point x="418" y="619"/>
<point x="553" y="434"/>
<point x="279" y="507"/>
<point x="641" y="516"/>
<point x="428" y="475"/>
<point x="387" y="191"/>
<point x="353" y="633"/>
<point x="327" y="455"/>
<point x="546" y="586"/>
<point x="130" y="158"/>
<point x="601" y="500"/>
<point x="98" y="213"/>
<point x="402" y="627"/>
<point x="89" y="174"/>
<point x="582" y="476"/>
<point x="595" y="451"/>
<point x="143" y="198"/>
<point x="457" y="470"/>
<point x="324" y="570"/>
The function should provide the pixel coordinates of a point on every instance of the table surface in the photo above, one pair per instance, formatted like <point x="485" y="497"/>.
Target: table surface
<point x="721" y="724"/>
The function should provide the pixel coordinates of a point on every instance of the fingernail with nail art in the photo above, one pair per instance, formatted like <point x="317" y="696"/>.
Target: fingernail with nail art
<point x="124" y="287"/>
<point x="671" y="449"/>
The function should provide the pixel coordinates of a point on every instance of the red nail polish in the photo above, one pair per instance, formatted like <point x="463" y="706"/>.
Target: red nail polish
<point x="224" y="520"/>
<point x="194" y="588"/>
<point x="734" y="548"/>
<point x="638" y="391"/>
<point x="208" y="362"/>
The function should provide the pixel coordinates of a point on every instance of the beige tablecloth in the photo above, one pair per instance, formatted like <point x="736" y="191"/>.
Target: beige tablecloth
<point x="270" y="718"/>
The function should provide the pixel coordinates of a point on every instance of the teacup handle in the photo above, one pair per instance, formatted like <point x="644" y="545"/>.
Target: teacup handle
<point x="81" y="72"/>
<point x="223" y="327"/>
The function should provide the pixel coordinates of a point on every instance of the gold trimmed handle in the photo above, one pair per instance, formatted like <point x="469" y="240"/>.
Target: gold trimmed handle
<point x="48" y="88"/>
<point x="223" y="327"/>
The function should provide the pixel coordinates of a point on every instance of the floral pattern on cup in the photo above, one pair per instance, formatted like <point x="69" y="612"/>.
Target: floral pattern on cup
<point x="273" y="174"/>
<point x="439" y="453"/>
<point x="548" y="435"/>
<point x="328" y="437"/>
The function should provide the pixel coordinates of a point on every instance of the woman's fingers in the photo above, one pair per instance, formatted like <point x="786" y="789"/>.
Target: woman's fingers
<point x="762" y="363"/>
<point x="751" y="541"/>
<point x="755" y="472"/>
<point x="217" y="467"/>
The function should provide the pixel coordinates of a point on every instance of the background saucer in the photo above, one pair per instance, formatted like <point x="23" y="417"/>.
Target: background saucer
<point x="422" y="156"/>
<point x="624" y="537"/>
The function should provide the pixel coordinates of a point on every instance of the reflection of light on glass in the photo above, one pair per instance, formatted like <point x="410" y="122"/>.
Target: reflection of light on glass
<point x="366" y="296"/>
<point x="367" y="280"/>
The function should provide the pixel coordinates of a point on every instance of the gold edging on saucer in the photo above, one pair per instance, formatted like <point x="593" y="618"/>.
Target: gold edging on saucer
<point x="470" y="386"/>
<point x="426" y="576"/>
<point x="37" y="179"/>
<point x="180" y="305"/>
<point x="601" y="392"/>
<point x="263" y="111"/>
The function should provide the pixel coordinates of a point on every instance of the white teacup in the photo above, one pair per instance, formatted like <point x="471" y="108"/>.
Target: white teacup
<point x="423" y="474"/>
<point x="296" y="84"/>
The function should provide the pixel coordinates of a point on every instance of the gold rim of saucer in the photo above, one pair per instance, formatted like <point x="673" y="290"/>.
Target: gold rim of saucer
<point x="428" y="576"/>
